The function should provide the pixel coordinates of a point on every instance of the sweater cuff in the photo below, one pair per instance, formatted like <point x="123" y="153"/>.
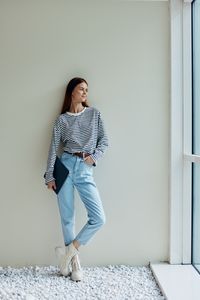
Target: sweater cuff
<point x="48" y="177"/>
<point x="95" y="160"/>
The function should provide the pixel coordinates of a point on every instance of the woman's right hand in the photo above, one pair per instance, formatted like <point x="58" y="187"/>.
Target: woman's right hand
<point x="51" y="185"/>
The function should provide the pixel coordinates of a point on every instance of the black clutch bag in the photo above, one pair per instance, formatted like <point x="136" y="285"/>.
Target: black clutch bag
<point x="60" y="174"/>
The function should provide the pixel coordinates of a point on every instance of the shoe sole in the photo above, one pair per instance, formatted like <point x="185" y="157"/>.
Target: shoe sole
<point x="78" y="280"/>
<point x="75" y="279"/>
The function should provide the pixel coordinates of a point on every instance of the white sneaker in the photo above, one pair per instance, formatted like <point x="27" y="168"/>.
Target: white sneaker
<point x="77" y="273"/>
<point x="65" y="255"/>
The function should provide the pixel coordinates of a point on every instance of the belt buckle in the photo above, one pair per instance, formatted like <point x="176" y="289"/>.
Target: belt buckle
<point x="80" y="154"/>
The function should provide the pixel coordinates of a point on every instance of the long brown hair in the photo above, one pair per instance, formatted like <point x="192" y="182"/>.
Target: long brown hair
<point x="68" y="94"/>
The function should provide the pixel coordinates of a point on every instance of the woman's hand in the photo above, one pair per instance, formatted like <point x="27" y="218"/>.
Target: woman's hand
<point x="51" y="185"/>
<point x="88" y="159"/>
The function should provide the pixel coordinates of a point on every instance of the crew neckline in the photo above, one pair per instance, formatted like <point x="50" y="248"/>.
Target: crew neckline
<point x="76" y="114"/>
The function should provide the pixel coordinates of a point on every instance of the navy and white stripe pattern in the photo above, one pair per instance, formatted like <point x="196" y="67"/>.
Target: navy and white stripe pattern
<point x="78" y="132"/>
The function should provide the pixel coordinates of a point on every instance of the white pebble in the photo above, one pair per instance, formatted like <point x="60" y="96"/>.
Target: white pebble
<point x="113" y="282"/>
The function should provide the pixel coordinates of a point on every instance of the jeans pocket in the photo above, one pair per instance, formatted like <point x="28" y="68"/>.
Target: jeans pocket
<point x="86" y="166"/>
<point x="89" y="165"/>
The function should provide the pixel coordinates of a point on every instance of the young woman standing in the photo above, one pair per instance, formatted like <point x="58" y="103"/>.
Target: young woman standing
<point x="80" y="129"/>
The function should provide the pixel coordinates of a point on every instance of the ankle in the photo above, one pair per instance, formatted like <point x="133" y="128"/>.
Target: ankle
<point x="76" y="244"/>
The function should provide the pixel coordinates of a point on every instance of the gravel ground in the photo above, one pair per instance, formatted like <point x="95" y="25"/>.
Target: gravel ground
<point x="117" y="282"/>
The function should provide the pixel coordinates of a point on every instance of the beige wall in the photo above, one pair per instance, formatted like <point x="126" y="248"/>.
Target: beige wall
<point x="122" y="49"/>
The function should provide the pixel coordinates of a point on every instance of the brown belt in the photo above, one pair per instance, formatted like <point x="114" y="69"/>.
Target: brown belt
<point x="80" y="154"/>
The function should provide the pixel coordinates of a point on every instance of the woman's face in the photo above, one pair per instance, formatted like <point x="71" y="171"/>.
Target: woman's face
<point x="80" y="93"/>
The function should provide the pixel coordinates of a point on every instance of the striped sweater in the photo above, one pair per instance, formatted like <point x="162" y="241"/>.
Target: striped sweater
<point x="78" y="132"/>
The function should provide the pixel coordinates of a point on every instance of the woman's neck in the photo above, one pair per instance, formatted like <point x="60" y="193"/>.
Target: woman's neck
<point x="76" y="108"/>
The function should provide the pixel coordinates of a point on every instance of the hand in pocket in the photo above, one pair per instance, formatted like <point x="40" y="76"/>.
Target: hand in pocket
<point x="88" y="159"/>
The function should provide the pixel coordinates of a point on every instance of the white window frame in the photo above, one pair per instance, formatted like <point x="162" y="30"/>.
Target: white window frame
<point x="181" y="156"/>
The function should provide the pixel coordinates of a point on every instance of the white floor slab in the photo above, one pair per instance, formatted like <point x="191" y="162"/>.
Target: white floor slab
<point x="177" y="282"/>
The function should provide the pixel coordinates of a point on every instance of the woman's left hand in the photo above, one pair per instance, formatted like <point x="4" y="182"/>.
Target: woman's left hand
<point x="89" y="160"/>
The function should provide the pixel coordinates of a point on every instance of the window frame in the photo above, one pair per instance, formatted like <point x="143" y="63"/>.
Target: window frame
<point x="181" y="157"/>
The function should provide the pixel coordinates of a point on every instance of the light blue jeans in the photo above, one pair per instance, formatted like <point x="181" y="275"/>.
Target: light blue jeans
<point x="80" y="176"/>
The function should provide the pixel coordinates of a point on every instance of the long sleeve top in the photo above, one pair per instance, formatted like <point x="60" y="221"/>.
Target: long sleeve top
<point x="77" y="132"/>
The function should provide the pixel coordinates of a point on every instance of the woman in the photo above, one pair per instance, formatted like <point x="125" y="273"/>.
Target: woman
<point x="80" y="129"/>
